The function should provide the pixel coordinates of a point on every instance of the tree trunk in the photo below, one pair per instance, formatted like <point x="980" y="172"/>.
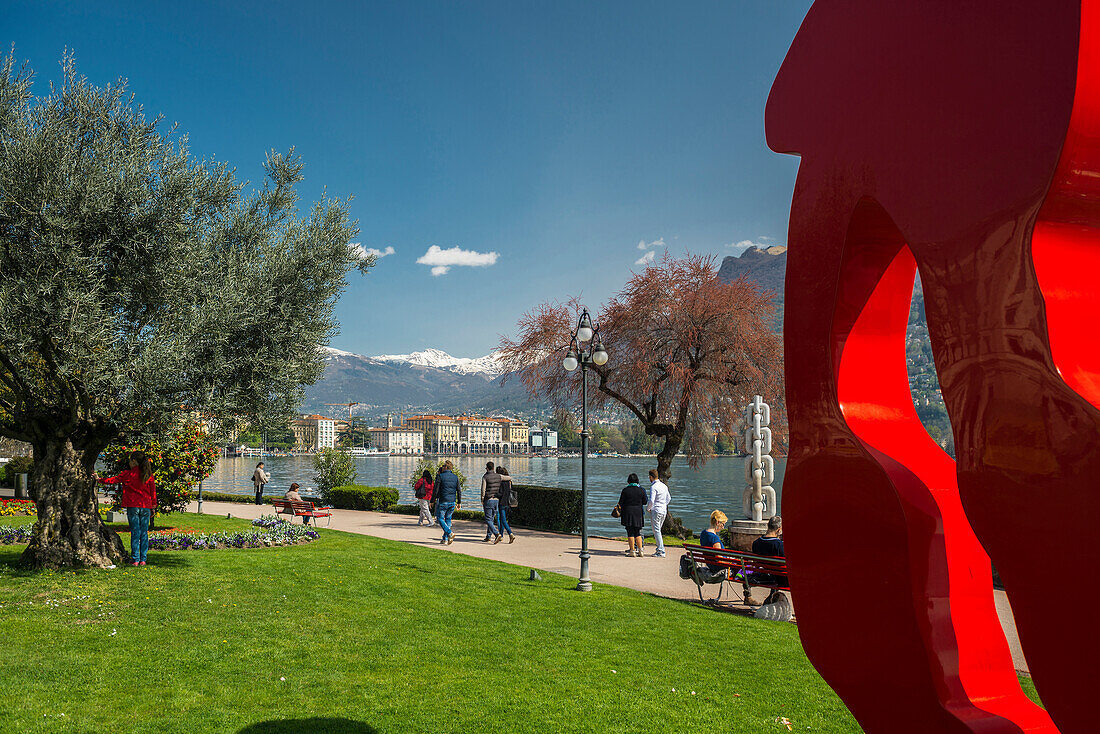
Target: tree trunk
<point x="69" y="531"/>
<point x="668" y="453"/>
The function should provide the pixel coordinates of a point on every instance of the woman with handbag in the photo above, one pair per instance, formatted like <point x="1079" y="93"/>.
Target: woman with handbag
<point x="632" y="502"/>
<point x="423" y="493"/>
<point x="507" y="500"/>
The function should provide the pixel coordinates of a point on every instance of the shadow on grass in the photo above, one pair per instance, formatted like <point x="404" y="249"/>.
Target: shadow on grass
<point x="316" y="724"/>
<point x="10" y="556"/>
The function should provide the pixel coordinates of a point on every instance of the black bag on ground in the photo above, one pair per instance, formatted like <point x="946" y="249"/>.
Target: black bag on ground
<point x="686" y="566"/>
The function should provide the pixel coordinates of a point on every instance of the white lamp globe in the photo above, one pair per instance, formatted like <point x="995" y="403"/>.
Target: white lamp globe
<point x="584" y="329"/>
<point x="570" y="362"/>
<point x="599" y="356"/>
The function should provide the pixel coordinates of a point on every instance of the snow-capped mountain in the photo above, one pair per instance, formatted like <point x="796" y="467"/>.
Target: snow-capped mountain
<point x="431" y="378"/>
<point x="489" y="364"/>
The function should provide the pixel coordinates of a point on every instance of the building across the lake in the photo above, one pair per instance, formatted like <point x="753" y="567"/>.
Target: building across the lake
<point x="398" y="440"/>
<point x="471" y="434"/>
<point x="313" y="433"/>
<point x="544" y="441"/>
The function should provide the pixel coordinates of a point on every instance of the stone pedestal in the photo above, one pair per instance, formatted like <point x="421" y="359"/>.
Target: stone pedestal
<point x="743" y="532"/>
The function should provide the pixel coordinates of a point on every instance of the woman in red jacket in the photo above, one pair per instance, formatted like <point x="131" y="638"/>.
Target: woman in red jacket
<point x="139" y="497"/>
<point x="423" y="492"/>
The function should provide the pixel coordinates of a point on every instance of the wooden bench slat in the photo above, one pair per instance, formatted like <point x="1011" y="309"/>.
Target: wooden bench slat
<point x="748" y="563"/>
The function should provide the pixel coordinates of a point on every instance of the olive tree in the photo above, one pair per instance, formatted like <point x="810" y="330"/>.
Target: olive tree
<point x="139" y="284"/>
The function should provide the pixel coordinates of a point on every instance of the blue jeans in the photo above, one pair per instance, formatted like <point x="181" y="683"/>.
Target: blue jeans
<point x="502" y="518"/>
<point x="138" y="518"/>
<point x="444" y="511"/>
<point x="491" y="507"/>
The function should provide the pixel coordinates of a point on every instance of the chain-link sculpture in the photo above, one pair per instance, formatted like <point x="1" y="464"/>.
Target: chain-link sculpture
<point x="759" y="499"/>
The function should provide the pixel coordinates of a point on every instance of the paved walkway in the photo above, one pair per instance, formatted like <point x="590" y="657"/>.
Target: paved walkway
<point x="554" y="552"/>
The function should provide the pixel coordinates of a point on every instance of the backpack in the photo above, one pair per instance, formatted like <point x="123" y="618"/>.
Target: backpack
<point x="420" y="493"/>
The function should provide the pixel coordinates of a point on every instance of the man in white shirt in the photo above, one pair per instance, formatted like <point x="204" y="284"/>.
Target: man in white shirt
<point x="658" y="508"/>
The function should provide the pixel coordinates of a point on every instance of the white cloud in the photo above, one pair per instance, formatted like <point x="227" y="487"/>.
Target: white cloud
<point x="363" y="252"/>
<point x="443" y="260"/>
<point x="762" y="243"/>
<point x="646" y="259"/>
<point x="643" y="245"/>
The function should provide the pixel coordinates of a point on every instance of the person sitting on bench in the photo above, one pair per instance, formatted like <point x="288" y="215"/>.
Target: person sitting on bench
<point x="293" y="496"/>
<point x="770" y="544"/>
<point x="292" y="493"/>
<point x="711" y="538"/>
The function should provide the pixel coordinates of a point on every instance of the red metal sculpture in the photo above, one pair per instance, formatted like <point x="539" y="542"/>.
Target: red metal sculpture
<point x="961" y="139"/>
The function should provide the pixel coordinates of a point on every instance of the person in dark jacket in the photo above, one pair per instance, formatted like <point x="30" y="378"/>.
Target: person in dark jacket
<point x="632" y="502"/>
<point x="490" y="503"/>
<point x="505" y="498"/>
<point x="448" y="494"/>
<point x="770" y="545"/>
<point x="139" y="497"/>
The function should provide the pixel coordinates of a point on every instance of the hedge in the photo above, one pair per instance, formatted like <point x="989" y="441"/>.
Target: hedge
<point x="540" y="508"/>
<point x="357" y="497"/>
<point x="547" y="508"/>
<point x="244" y="499"/>
<point x="17" y="465"/>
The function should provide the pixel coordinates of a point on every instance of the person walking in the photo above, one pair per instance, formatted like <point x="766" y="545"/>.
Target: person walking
<point x="139" y="497"/>
<point x="423" y="492"/>
<point x="659" y="498"/>
<point x="490" y="502"/>
<point x="259" y="479"/>
<point x="632" y="500"/>
<point x="448" y="494"/>
<point x="507" y="497"/>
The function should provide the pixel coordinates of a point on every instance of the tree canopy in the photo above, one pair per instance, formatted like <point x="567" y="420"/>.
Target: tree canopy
<point x="137" y="284"/>
<point x="687" y="352"/>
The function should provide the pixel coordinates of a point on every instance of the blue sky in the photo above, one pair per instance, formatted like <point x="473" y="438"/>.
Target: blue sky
<point x="557" y="135"/>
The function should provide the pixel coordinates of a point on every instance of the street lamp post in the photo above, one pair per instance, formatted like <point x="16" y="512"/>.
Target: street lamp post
<point x="579" y="356"/>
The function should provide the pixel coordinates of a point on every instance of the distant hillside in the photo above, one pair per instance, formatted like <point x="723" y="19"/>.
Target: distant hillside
<point x="402" y="382"/>
<point x="766" y="268"/>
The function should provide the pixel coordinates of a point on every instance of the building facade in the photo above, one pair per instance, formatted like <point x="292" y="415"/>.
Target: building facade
<point x="398" y="440"/>
<point x="313" y="433"/>
<point x="514" y="436"/>
<point x="543" y="440"/>
<point x="469" y="434"/>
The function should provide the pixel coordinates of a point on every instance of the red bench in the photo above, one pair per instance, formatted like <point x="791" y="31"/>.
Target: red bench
<point x="748" y="568"/>
<point x="303" y="510"/>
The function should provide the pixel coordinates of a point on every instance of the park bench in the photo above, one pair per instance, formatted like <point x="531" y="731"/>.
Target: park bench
<point x="748" y="568"/>
<point x="302" y="509"/>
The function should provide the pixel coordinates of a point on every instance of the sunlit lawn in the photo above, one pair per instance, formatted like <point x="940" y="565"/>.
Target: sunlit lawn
<point x="356" y="634"/>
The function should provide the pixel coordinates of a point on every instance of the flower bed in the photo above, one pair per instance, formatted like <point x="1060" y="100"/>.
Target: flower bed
<point x="9" y="508"/>
<point x="12" y="535"/>
<point x="269" y="531"/>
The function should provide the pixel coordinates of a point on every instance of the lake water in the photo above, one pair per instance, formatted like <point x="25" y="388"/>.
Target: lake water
<point x="695" y="494"/>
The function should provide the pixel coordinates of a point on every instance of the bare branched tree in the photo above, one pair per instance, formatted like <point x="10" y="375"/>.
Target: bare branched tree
<point x="687" y="352"/>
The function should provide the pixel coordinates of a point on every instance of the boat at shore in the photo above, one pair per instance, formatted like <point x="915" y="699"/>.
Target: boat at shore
<point x="361" y="451"/>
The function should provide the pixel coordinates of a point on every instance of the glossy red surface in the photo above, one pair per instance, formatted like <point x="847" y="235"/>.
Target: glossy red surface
<point x="961" y="139"/>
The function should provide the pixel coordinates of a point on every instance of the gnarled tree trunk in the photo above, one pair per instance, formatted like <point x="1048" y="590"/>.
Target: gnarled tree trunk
<point x="668" y="453"/>
<point x="69" y="531"/>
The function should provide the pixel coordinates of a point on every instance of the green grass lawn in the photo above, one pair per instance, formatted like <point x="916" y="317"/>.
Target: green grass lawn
<point x="356" y="634"/>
